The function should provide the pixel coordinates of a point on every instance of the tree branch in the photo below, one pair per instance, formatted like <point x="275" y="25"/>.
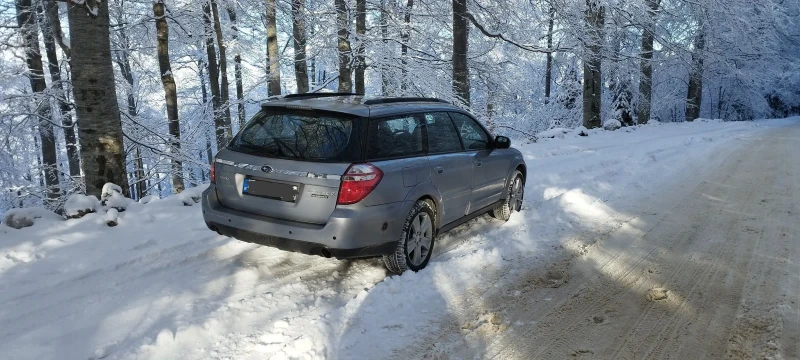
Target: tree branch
<point x="531" y="48"/>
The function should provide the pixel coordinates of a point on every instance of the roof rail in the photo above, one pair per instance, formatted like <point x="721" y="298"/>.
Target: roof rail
<point x="314" y="95"/>
<point x="402" y="99"/>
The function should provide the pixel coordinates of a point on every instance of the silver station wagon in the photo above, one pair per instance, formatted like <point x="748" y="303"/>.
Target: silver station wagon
<point x="348" y="176"/>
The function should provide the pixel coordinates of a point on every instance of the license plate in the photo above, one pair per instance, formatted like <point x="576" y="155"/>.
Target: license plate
<point x="270" y="190"/>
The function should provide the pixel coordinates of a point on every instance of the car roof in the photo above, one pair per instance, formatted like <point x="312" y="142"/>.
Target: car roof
<point x="360" y="105"/>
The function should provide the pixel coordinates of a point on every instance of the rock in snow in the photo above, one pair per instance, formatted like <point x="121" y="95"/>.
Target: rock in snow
<point x="111" y="196"/>
<point x="612" y="125"/>
<point x="108" y="190"/>
<point x="78" y="205"/>
<point x="22" y="218"/>
<point x="553" y="133"/>
<point x="112" y="217"/>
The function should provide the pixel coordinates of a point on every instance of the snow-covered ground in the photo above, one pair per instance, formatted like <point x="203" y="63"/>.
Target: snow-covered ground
<point x="161" y="286"/>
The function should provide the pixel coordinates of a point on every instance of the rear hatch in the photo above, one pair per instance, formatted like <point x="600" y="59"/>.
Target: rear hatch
<point x="287" y="164"/>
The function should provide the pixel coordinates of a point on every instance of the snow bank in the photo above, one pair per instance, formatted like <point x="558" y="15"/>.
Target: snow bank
<point x="22" y="218"/>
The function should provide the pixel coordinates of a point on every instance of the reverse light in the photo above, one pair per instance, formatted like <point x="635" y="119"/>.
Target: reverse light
<point x="358" y="181"/>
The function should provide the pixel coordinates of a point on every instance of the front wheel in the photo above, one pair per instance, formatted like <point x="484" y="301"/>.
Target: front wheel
<point x="513" y="202"/>
<point x="415" y="246"/>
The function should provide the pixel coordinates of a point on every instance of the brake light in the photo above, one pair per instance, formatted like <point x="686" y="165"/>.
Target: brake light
<point x="213" y="173"/>
<point x="358" y="181"/>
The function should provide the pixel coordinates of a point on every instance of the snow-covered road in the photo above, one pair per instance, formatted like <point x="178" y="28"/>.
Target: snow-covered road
<point x="161" y="286"/>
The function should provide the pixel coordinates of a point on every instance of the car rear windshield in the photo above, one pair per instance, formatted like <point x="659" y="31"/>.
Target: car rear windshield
<point x="300" y="135"/>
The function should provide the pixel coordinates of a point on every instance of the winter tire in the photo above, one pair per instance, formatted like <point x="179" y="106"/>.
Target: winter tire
<point x="415" y="246"/>
<point x="513" y="202"/>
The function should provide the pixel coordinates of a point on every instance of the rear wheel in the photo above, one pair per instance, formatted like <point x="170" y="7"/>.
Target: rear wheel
<point x="513" y="202"/>
<point x="415" y="246"/>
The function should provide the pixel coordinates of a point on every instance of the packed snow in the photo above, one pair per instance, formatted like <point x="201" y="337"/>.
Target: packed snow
<point x="160" y="285"/>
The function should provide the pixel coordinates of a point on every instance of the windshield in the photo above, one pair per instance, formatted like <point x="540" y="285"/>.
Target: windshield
<point x="299" y="135"/>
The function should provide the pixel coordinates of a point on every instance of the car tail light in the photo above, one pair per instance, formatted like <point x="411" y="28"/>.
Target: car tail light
<point x="213" y="173"/>
<point x="358" y="181"/>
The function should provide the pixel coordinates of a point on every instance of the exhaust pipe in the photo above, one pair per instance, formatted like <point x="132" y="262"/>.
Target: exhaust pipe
<point x="325" y="253"/>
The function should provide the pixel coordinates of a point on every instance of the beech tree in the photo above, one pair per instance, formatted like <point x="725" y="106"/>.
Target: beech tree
<point x="272" y="50"/>
<point x="51" y="31"/>
<point x="299" y="41"/>
<point x="222" y="127"/>
<point x="461" y="84"/>
<point x="646" y="62"/>
<point x="170" y="91"/>
<point x="592" y="65"/>
<point x="361" y="31"/>
<point x="100" y="130"/>
<point x="26" y="20"/>
<point x="343" y="44"/>
<point x="694" y="97"/>
<point x="237" y="66"/>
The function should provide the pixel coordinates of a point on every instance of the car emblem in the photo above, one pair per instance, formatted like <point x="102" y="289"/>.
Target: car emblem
<point x="267" y="169"/>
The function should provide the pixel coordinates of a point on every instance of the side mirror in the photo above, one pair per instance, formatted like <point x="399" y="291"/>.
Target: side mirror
<point x="501" y="142"/>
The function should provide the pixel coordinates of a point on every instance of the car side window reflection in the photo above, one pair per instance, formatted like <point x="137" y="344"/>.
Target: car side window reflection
<point x="442" y="135"/>
<point x="472" y="134"/>
<point x="394" y="137"/>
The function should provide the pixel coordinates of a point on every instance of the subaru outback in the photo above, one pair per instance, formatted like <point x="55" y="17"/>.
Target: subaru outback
<point x="347" y="176"/>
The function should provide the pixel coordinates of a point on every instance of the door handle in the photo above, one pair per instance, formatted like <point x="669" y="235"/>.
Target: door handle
<point x="478" y="163"/>
<point x="438" y="169"/>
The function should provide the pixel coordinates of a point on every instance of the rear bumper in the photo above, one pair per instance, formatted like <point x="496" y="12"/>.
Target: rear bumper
<point x="351" y="232"/>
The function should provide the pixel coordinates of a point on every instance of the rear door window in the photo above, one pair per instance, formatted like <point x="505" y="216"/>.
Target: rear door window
<point x="300" y="135"/>
<point x="472" y="134"/>
<point x="395" y="137"/>
<point x="442" y="135"/>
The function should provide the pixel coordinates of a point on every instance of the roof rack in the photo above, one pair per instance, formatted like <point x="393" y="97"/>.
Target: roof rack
<point x="402" y="99"/>
<point x="314" y="95"/>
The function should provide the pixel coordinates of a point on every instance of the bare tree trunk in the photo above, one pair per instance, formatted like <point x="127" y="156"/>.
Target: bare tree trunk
<point x="122" y="58"/>
<point x="237" y="69"/>
<point x="57" y="87"/>
<point x="299" y="35"/>
<point x="384" y="23"/>
<point x="646" y="64"/>
<point x="272" y="50"/>
<point x="26" y="19"/>
<point x="51" y="11"/>
<point x="345" y="52"/>
<point x="592" y="77"/>
<point x="141" y="182"/>
<point x="548" y="74"/>
<point x="405" y="35"/>
<point x="461" y="89"/>
<point x="170" y="93"/>
<point x="100" y="133"/>
<point x="694" y="97"/>
<point x="209" y="155"/>
<point x="224" y="88"/>
<point x="222" y="130"/>
<point x="361" y="31"/>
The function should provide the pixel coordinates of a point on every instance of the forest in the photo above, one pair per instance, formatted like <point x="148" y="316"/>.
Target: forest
<point x="142" y="93"/>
